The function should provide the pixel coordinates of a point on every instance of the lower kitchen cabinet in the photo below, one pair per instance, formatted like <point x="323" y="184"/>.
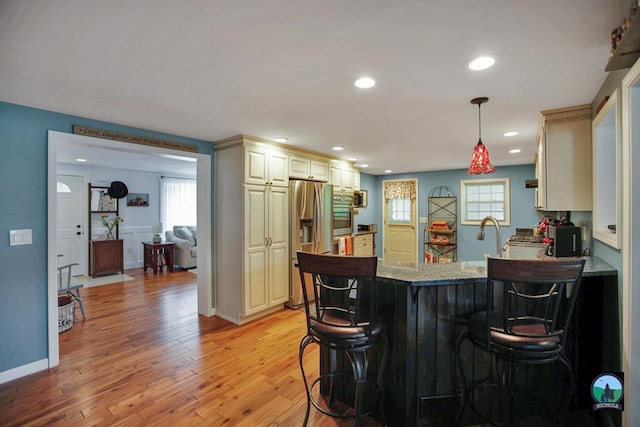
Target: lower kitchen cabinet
<point x="106" y="257"/>
<point x="363" y="244"/>
<point x="266" y="281"/>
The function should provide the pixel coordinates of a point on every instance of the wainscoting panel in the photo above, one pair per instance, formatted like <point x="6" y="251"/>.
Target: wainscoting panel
<point x="132" y="239"/>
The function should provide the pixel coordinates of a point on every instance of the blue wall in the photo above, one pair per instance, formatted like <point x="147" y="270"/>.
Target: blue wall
<point x="523" y="213"/>
<point x="23" y="204"/>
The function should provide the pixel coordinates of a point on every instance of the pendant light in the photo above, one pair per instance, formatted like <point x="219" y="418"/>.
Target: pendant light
<point x="480" y="162"/>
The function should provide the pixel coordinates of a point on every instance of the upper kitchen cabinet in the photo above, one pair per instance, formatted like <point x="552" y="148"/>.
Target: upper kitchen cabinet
<point x="265" y="165"/>
<point x="343" y="178"/>
<point x="563" y="164"/>
<point x="606" y="174"/>
<point x="306" y="168"/>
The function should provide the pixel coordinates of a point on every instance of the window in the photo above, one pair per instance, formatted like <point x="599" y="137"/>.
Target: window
<point x="178" y="202"/>
<point x="485" y="197"/>
<point x="399" y="211"/>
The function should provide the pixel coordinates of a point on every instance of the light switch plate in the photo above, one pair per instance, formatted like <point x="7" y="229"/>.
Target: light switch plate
<point x="20" y="237"/>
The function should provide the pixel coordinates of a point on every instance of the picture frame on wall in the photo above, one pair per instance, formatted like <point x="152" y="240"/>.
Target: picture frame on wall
<point x="138" y="199"/>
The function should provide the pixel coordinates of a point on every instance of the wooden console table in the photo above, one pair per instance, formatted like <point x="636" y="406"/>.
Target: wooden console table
<point x="152" y="252"/>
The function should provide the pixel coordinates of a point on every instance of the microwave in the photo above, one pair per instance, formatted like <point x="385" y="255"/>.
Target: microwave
<point x="342" y="214"/>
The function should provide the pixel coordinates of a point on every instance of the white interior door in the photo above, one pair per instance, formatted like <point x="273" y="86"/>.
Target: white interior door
<point x="71" y="221"/>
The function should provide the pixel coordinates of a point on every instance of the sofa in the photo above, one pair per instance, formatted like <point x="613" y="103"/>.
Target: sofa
<point x="186" y="245"/>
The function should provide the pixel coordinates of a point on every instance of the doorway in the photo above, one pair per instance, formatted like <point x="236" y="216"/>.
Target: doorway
<point x="400" y="214"/>
<point x="59" y="140"/>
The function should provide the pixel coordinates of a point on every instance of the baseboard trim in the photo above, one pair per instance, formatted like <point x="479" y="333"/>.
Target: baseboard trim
<point x="24" y="370"/>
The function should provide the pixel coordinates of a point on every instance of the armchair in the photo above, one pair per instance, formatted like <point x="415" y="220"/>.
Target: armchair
<point x="185" y="249"/>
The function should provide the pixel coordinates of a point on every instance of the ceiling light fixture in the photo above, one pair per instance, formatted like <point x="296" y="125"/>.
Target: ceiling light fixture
<point x="281" y="139"/>
<point x="364" y="165"/>
<point x="388" y="171"/>
<point x="481" y="63"/>
<point x="365" y="83"/>
<point x="337" y="148"/>
<point x="480" y="161"/>
<point x="510" y="133"/>
<point x="515" y="151"/>
<point x="81" y="160"/>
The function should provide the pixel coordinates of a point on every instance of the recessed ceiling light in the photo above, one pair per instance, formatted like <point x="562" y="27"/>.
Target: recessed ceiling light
<point x="481" y="63"/>
<point x="510" y="133"/>
<point x="337" y="148"/>
<point x="365" y="82"/>
<point x="281" y="139"/>
<point x="81" y="160"/>
<point x="364" y="165"/>
<point x="353" y="159"/>
<point x="388" y="171"/>
<point x="515" y="151"/>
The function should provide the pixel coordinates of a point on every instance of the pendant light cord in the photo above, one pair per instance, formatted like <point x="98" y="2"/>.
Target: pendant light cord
<point x="479" y="123"/>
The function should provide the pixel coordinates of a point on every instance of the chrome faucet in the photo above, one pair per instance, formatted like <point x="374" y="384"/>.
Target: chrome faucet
<point x="480" y="235"/>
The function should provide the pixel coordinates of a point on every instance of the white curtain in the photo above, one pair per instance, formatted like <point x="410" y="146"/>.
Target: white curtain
<point x="178" y="202"/>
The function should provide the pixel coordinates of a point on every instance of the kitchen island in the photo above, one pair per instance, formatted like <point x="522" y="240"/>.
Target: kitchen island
<point x="424" y="308"/>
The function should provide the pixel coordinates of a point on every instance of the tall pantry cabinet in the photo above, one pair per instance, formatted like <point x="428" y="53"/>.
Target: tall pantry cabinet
<point x="251" y="223"/>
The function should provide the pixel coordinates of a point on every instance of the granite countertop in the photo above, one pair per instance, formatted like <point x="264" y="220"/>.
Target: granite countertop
<point x="466" y="271"/>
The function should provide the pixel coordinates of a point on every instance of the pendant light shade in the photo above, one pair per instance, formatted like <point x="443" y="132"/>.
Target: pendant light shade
<point x="480" y="161"/>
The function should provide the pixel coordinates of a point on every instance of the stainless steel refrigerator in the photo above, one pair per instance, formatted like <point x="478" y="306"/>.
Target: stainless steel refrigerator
<point x="310" y="205"/>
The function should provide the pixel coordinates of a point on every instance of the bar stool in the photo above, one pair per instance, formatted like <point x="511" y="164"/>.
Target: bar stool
<point x="341" y="318"/>
<point x="529" y="304"/>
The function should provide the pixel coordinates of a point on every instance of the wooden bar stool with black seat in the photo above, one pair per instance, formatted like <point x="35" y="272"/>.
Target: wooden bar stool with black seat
<point x="341" y="318"/>
<point x="529" y="304"/>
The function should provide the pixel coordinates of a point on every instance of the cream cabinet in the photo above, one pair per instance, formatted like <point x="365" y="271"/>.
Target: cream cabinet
<point x="251" y="229"/>
<point x="306" y="168"/>
<point x="266" y="260"/>
<point x="265" y="165"/>
<point x="563" y="164"/>
<point x="343" y="178"/>
<point x="363" y="244"/>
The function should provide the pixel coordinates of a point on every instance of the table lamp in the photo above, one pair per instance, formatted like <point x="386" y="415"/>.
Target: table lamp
<point x="156" y="229"/>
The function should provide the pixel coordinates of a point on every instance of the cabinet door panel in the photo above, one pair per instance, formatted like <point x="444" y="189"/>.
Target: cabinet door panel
<point x="279" y="216"/>
<point x="278" y="274"/>
<point x="347" y="179"/>
<point x="255" y="217"/>
<point x="278" y="169"/>
<point x="299" y="168"/>
<point x="255" y="287"/>
<point x="255" y="168"/>
<point x="319" y="171"/>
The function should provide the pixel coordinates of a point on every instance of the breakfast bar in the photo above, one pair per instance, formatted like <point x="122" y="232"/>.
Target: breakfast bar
<point x="424" y="308"/>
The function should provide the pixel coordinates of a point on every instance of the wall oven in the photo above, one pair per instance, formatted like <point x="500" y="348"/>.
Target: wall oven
<point x="342" y="217"/>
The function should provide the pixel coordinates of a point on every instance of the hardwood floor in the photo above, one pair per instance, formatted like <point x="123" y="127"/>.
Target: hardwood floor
<point x="145" y="357"/>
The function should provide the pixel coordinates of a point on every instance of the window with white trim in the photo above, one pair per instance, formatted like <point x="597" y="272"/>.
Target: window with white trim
<point x="484" y="197"/>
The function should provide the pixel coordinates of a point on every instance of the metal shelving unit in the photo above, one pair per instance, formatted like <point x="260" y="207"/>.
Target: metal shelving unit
<point x="440" y="231"/>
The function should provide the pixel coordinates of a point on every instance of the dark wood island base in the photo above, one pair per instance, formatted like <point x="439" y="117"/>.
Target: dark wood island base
<point x="424" y="309"/>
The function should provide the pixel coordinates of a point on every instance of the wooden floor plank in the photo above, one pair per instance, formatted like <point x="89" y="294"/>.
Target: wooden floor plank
<point x="145" y="357"/>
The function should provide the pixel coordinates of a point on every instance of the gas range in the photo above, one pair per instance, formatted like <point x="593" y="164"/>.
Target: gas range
<point x="525" y="235"/>
<point x="525" y="245"/>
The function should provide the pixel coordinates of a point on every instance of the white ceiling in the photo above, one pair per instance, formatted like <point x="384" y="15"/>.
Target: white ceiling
<point x="211" y="69"/>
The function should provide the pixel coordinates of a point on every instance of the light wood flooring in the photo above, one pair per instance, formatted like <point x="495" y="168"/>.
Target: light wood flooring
<point x="144" y="357"/>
